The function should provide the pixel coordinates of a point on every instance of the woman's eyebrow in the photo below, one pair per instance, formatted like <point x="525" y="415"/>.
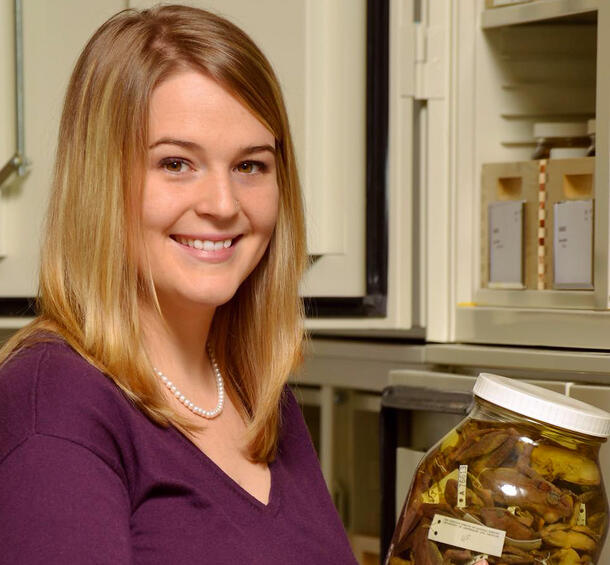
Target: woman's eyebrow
<point x="196" y="147"/>
<point x="173" y="141"/>
<point x="257" y="149"/>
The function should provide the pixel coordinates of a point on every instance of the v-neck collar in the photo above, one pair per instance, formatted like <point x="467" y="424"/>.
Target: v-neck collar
<point x="273" y="502"/>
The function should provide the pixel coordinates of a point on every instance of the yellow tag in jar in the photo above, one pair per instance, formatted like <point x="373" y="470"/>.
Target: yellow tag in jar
<point x="434" y="494"/>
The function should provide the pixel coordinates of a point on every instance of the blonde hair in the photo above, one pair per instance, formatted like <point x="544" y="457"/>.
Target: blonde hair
<point x="90" y="288"/>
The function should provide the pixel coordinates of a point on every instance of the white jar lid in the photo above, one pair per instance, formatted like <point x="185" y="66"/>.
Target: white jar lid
<point x="568" y="152"/>
<point x="560" y="129"/>
<point x="543" y="405"/>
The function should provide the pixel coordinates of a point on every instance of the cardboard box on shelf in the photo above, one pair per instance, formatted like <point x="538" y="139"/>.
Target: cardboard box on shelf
<point x="570" y="194"/>
<point x="510" y="189"/>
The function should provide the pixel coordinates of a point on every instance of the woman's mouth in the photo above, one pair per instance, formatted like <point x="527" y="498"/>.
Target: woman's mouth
<point x="205" y="244"/>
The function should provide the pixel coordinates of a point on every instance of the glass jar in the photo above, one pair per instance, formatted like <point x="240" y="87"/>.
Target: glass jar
<point x="560" y="135"/>
<point x="517" y="481"/>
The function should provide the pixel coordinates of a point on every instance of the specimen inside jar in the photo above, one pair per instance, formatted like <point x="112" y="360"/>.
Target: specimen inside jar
<point x="540" y="486"/>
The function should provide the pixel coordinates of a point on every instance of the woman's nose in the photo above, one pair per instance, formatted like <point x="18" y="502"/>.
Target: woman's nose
<point x="216" y="196"/>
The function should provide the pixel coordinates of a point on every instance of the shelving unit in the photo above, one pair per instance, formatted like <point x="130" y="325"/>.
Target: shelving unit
<point x="538" y="61"/>
<point x="539" y="11"/>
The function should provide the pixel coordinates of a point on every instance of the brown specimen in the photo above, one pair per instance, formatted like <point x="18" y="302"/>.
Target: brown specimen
<point x="512" y="488"/>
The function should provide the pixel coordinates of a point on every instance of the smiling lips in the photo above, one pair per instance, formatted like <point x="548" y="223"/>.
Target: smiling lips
<point x="205" y="244"/>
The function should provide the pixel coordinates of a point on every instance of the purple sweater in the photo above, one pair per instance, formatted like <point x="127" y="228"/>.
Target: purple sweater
<point x="85" y="478"/>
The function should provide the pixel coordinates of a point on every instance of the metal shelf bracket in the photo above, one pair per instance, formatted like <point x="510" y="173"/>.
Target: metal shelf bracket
<point x="18" y="163"/>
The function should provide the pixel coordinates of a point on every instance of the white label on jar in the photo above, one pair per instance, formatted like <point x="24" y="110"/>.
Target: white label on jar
<point x="461" y="488"/>
<point x="581" y="520"/>
<point x="466" y="535"/>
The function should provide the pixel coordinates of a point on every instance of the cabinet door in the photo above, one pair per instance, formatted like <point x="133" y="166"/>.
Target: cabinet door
<point x="318" y="50"/>
<point x="53" y="35"/>
<point x="397" y="118"/>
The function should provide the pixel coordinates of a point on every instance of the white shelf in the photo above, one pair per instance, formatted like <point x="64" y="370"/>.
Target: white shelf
<point x="13" y="323"/>
<point x="570" y="299"/>
<point x="574" y="329"/>
<point x="536" y="11"/>
<point x="588" y="366"/>
<point x="344" y="363"/>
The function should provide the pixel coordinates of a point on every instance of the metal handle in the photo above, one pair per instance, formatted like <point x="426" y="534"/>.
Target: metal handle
<point x="14" y="164"/>
<point x="18" y="162"/>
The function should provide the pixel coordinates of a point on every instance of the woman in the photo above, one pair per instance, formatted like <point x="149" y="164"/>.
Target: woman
<point x="144" y="416"/>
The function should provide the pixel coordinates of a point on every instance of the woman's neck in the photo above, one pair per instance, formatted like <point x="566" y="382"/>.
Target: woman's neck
<point x="176" y="343"/>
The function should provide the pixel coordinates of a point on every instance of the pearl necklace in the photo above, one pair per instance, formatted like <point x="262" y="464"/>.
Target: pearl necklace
<point x="208" y="414"/>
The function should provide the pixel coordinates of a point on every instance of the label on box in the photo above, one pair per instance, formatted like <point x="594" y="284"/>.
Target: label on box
<point x="506" y="244"/>
<point x="466" y="535"/>
<point x="573" y="244"/>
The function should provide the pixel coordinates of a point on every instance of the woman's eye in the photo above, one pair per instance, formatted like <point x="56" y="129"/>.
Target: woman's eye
<point x="250" y="167"/>
<point x="174" y="165"/>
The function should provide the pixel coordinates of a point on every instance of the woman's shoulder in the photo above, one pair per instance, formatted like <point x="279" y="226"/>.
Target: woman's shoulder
<point x="290" y="411"/>
<point x="47" y="388"/>
<point x="50" y="376"/>
<point x="294" y="434"/>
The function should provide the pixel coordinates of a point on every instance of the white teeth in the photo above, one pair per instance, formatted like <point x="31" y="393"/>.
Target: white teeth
<point x="205" y="244"/>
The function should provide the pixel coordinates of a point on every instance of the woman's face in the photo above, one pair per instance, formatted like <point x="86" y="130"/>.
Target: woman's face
<point x="210" y="198"/>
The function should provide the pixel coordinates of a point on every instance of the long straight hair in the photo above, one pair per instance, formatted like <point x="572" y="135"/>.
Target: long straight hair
<point x="90" y="289"/>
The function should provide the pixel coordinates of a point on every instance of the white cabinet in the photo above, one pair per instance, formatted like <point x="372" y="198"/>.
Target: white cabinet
<point x="466" y="85"/>
<point x="415" y="62"/>
<point x="53" y="35"/>
<point x="319" y="50"/>
<point x="451" y="88"/>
